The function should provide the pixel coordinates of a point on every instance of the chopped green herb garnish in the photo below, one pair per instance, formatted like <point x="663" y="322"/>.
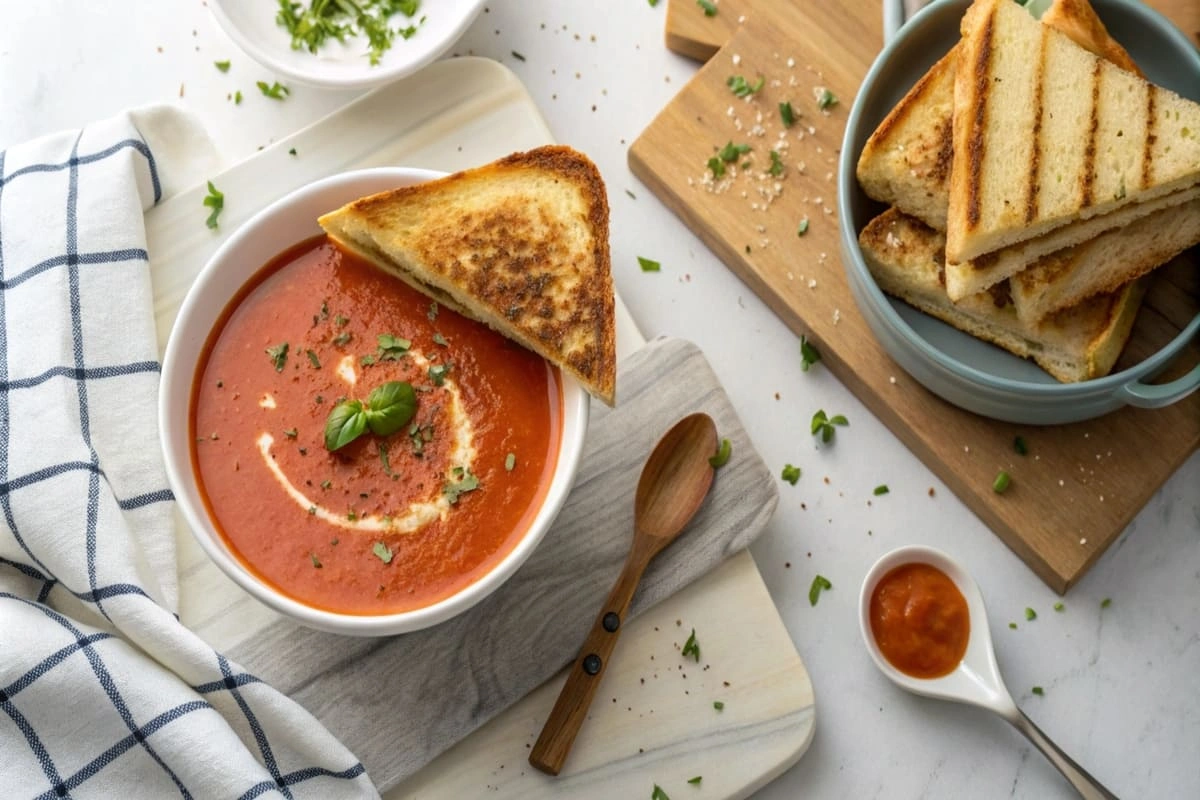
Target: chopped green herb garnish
<point x="1030" y="614"/>
<point x="776" y="168"/>
<point x="510" y="461"/>
<point x="291" y="433"/>
<point x="691" y="647"/>
<point x="710" y="8"/>
<point x="353" y="517"/>
<point x="819" y="584"/>
<point x="437" y="373"/>
<point x="237" y="97"/>
<point x="313" y="26"/>
<point x="464" y="482"/>
<point x="366" y="360"/>
<point x="741" y="88"/>
<point x="316" y="562"/>
<point x="658" y="793"/>
<point x="802" y="228"/>
<point x="809" y="355"/>
<point x="278" y="355"/>
<point x="341" y="321"/>
<point x="881" y="489"/>
<point x="384" y="458"/>
<point x="721" y="457"/>
<point x="312" y="359"/>
<point x="291" y="151"/>
<point x="718" y="168"/>
<point x="731" y="151"/>
<point x="648" y="266"/>
<point x="632" y="196"/>
<point x="342" y="339"/>
<point x="1106" y="602"/>
<point x="392" y="348"/>
<point x="696" y="780"/>
<point x="312" y="510"/>
<point x="790" y="473"/>
<point x="517" y="56"/>
<point x="440" y="340"/>
<point x="824" y="426"/>
<point x="1000" y="485"/>
<point x="1059" y="606"/>
<point x="787" y="115"/>
<point x="222" y="65"/>
<point x="382" y="552"/>
<point x="432" y="313"/>
<point x="326" y="484"/>
<point x="1039" y="691"/>
<point x="1019" y="446"/>
<point x="276" y="91"/>
<point x="719" y="705"/>
<point x="826" y="99"/>
<point x="216" y="201"/>
<point x="1012" y="625"/>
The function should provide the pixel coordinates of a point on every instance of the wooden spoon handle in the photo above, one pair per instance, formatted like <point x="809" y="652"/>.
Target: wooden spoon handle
<point x="558" y="734"/>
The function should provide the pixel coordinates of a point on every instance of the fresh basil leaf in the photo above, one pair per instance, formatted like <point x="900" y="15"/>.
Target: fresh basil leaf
<point x="345" y="423"/>
<point x="390" y="407"/>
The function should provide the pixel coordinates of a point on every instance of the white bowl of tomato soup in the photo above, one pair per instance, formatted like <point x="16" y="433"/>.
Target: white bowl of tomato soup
<point x="355" y="456"/>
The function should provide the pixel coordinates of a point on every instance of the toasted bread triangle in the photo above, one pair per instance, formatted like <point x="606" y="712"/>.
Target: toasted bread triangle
<point x="520" y="244"/>
<point x="1046" y="133"/>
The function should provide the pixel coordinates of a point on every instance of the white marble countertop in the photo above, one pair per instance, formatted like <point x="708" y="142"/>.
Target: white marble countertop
<point x="1121" y="684"/>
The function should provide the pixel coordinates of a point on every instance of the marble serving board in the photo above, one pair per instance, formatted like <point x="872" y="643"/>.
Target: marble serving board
<point x="659" y="724"/>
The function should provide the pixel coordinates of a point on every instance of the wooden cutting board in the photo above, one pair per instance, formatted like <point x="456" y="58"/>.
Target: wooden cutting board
<point x="1080" y="485"/>
<point x="691" y="33"/>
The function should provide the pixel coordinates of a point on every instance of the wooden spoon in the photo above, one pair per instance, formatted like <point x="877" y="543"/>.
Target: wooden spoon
<point x="674" y="482"/>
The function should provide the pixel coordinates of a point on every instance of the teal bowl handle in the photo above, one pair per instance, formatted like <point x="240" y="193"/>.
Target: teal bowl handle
<point x="1149" y="395"/>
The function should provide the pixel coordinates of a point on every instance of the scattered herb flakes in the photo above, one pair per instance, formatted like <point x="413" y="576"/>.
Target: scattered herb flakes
<point x="776" y="168"/>
<point x="432" y="313"/>
<point x="510" y="461"/>
<point x="291" y="433"/>
<point x="278" y="355"/>
<point x="1059" y="606"/>
<point x="326" y="484"/>
<point x="312" y="510"/>
<point x="824" y="426"/>
<point x="632" y="196"/>
<point x="802" y="228"/>
<point x="517" y="56"/>
<point x="1039" y="691"/>
<point x="1106" y="602"/>
<point x="696" y="780"/>
<point x="237" y="97"/>
<point x="392" y="348"/>
<point x="659" y="794"/>
<point x="276" y="91"/>
<point x="719" y="705"/>
<point x="1001" y="483"/>
<point x="819" y="584"/>
<point x="366" y="360"/>
<point x="440" y="340"/>
<point x="649" y="265"/>
<point x="1030" y="614"/>
<point x="463" y="482"/>
<point x="223" y="66"/>
<point x="292" y="151"/>
<point x="313" y="26"/>
<point x="341" y="320"/>
<point x="709" y="7"/>
<point x="790" y="473"/>
<point x="1012" y="625"/>
<point x="1019" y="446"/>
<point x="741" y="88"/>
<point x="312" y="359"/>
<point x="809" y="354"/>
<point x="786" y="115"/>
<point x="721" y="457"/>
<point x="216" y="201"/>
<point x="691" y="647"/>
<point x="342" y="339"/>
<point x="653" y="3"/>
<point x="382" y="552"/>
<point x="881" y="489"/>
<point x="730" y="152"/>
<point x="352" y="516"/>
<point x="437" y="373"/>
<point x="316" y="562"/>
<point x="825" y="98"/>
<point x="718" y="170"/>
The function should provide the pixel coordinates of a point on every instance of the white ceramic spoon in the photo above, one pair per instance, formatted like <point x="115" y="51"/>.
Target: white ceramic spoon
<point x="977" y="679"/>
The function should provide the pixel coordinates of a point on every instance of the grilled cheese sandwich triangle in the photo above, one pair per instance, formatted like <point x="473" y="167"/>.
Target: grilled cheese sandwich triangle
<point x="1034" y="153"/>
<point x="520" y="245"/>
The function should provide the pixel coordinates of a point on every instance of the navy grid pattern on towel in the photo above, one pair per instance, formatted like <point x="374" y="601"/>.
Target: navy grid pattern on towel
<point x="103" y="693"/>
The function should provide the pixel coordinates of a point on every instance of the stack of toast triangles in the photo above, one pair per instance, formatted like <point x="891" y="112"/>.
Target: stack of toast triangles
<point x="1042" y="176"/>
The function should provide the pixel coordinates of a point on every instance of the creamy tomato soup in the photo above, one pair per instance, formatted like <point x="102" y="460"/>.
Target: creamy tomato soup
<point x="388" y="521"/>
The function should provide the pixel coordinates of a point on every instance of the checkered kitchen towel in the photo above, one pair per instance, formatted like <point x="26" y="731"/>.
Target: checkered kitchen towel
<point x="103" y="693"/>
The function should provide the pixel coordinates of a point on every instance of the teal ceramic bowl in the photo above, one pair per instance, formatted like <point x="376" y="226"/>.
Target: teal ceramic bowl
<point x="963" y="370"/>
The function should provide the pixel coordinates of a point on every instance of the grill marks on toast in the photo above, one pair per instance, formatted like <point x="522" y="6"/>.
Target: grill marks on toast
<point x="1031" y="196"/>
<point x="977" y="119"/>
<point x="1088" y="177"/>
<point x="1150" y="138"/>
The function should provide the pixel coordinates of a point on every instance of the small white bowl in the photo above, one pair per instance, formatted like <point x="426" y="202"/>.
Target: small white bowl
<point x="284" y="223"/>
<point x="335" y="65"/>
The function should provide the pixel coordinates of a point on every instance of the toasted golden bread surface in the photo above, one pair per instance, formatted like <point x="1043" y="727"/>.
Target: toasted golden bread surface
<point x="520" y="244"/>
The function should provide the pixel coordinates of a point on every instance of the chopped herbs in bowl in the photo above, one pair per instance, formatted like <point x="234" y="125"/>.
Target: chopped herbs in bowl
<point x="347" y="44"/>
